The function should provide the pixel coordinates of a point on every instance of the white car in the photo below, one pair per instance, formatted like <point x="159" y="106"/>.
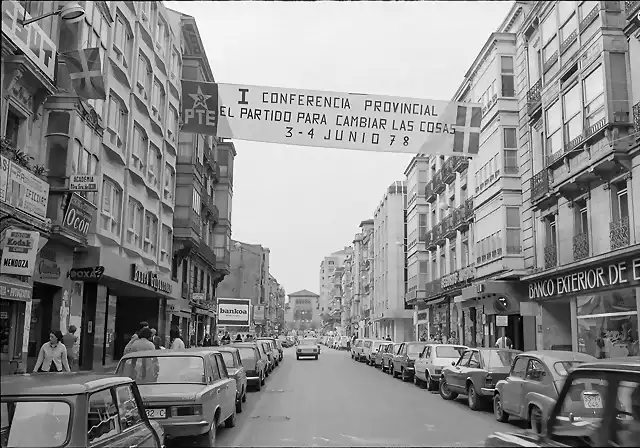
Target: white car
<point x="369" y="352"/>
<point x="308" y="347"/>
<point x="344" y="343"/>
<point x="356" y="349"/>
<point x="428" y="366"/>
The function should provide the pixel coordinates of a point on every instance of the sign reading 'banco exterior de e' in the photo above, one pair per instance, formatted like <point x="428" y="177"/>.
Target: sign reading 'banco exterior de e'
<point x="234" y="312"/>
<point x="330" y="119"/>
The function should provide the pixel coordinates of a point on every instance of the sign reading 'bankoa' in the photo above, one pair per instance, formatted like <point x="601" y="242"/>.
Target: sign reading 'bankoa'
<point x="234" y="312"/>
<point x="332" y="120"/>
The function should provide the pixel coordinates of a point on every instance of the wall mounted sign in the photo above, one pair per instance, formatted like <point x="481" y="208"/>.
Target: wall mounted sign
<point x="15" y="292"/>
<point x="234" y="312"/>
<point x="83" y="182"/>
<point x="48" y="269"/>
<point x="502" y="321"/>
<point x="78" y="215"/>
<point x="150" y="279"/>
<point x="19" y="252"/>
<point x="460" y="276"/>
<point x="22" y="189"/>
<point x="86" y="274"/>
<point x="501" y="305"/>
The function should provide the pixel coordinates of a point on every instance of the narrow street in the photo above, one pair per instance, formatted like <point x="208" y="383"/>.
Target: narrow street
<point x="336" y="401"/>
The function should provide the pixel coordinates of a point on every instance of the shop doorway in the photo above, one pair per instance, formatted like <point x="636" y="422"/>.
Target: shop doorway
<point x="41" y="318"/>
<point x="513" y="331"/>
<point x="130" y="311"/>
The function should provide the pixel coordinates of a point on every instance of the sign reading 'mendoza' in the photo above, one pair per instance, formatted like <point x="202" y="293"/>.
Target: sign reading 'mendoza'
<point x="330" y="119"/>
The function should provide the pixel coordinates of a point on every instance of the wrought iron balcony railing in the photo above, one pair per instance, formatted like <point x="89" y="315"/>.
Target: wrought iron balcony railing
<point x="580" y="246"/>
<point x="636" y="117"/>
<point x="534" y="99"/>
<point x="540" y="184"/>
<point x="619" y="233"/>
<point x="550" y="256"/>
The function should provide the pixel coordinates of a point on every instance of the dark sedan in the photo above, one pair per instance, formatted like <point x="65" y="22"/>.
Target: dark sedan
<point x="404" y="360"/>
<point x="235" y="367"/>
<point x="254" y="362"/>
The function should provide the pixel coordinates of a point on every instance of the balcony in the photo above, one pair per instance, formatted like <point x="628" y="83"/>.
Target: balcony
<point x="438" y="184"/>
<point x="433" y="288"/>
<point x="448" y="229"/>
<point x="619" y="233"/>
<point x="580" y="246"/>
<point x="632" y="7"/>
<point x="223" y="259"/>
<point x="468" y="210"/>
<point x="636" y="116"/>
<point x="430" y="240"/>
<point x="211" y="211"/>
<point x="459" y="163"/>
<point x="534" y="99"/>
<point x="429" y="193"/>
<point x="448" y="174"/>
<point x="459" y="220"/>
<point x="207" y="254"/>
<point x="438" y="234"/>
<point x="426" y="238"/>
<point x="540" y="185"/>
<point x="550" y="256"/>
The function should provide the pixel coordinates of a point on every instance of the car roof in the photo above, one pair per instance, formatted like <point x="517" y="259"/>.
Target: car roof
<point x="629" y="364"/>
<point x="227" y="348"/>
<point x="60" y="384"/>
<point x="195" y="351"/>
<point x="243" y="344"/>
<point x="553" y="356"/>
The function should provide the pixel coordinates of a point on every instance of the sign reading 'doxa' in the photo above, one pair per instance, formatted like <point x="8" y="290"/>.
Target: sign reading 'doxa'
<point x="234" y="312"/>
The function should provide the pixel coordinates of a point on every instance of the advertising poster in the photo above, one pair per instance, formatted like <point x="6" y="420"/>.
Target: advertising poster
<point x="19" y="252"/>
<point x="234" y="312"/>
<point x="26" y="191"/>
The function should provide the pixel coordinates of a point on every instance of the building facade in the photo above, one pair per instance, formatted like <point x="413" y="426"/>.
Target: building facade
<point x="579" y="142"/>
<point x="391" y="316"/>
<point x="327" y="279"/>
<point x="304" y="311"/>
<point x="274" y="308"/>
<point x="363" y="276"/>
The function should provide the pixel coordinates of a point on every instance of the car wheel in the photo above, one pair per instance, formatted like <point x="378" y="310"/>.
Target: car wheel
<point x="535" y="419"/>
<point x="262" y="380"/>
<point x="209" y="438"/>
<point x="316" y="357"/>
<point x="445" y="392"/>
<point x="473" y="399"/>
<point x="498" y="411"/>
<point x="239" y="405"/>
<point x="393" y="372"/>
<point x="431" y="385"/>
<point x="231" y="421"/>
<point x="297" y="357"/>
<point x="403" y="375"/>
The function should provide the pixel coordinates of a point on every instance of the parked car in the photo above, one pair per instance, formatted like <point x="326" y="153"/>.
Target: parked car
<point x="404" y="360"/>
<point x="366" y="348"/>
<point x="531" y="389"/>
<point x="275" y="348"/>
<point x="387" y="357"/>
<point x="475" y="374"/>
<point x="370" y="352"/>
<point x="344" y="343"/>
<point x="377" y="359"/>
<point x="308" y="347"/>
<point x="268" y="352"/>
<point x="189" y="392"/>
<point x="231" y="357"/>
<point x="598" y="405"/>
<point x="74" y="410"/>
<point x="356" y="349"/>
<point x="255" y="364"/>
<point x="428" y="366"/>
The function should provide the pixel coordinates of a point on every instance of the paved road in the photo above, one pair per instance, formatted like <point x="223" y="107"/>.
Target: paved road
<point x="337" y="402"/>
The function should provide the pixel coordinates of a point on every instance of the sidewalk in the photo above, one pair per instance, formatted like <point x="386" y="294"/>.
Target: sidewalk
<point x="108" y="368"/>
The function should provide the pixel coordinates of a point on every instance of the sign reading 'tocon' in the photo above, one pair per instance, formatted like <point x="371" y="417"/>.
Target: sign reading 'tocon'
<point x="234" y="312"/>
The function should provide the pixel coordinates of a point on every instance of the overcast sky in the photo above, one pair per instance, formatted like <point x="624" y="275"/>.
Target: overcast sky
<point x="304" y="203"/>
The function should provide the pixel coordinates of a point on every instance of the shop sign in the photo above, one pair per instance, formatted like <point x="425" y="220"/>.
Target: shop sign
<point x="83" y="182"/>
<point x="150" y="279"/>
<point x="86" y="274"/>
<point x="22" y="189"/>
<point x="48" y="270"/>
<point x="587" y="280"/>
<point x="459" y="276"/>
<point x="78" y="215"/>
<point x="31" y="39"/>
<point x="15" y="292"/>
<point x="19" y="252"/>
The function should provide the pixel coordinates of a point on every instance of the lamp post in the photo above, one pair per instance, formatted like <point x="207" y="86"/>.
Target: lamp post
<point x="70" y="12"/>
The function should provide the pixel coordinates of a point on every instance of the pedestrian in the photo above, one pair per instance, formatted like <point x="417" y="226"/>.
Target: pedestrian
<point x="70" y="340"/>
<point x="143" y="342"/>
<point x="157" y="340"/>
<point x="177" y="343"/>
<point x="504" y="342"/>
<point x="206" y="342"/>
<point x="226" y="339"/>
<point x="53" y="355"/>
<point x="388" y="338"/>
<point x="238" y="338"/>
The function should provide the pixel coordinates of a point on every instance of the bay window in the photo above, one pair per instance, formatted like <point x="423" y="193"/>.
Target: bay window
<point x="83" y="160"/>
<point x="550" y="47"/>
<point x="513" y="230"/>
<point x="593" y="91"/>
<point x="150" y="233"/>
<point x="144" y="76"/>
<point x="135" y="213"/>
<point x="123" y="42"/>
<point x="169" y="182"/>
<point x="95" y="34"/>
<point x="140" y="148"/>
<point x="507" y="76"/>
<point x="553" y="126"/>
<point x="572" y="112"/>
<point x="155" y="162"/>
<point x="165" y="248"/>
<point x="196" y="202"/>
<point x="111" y="210"/>
<point x="510" y="146"/>
<point x="117" y="122"/>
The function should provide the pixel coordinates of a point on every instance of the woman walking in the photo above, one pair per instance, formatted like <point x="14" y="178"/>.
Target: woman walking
<point x="53" y="355"/>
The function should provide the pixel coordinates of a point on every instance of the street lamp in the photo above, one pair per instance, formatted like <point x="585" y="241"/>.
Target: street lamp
<point x="70" y="12"/>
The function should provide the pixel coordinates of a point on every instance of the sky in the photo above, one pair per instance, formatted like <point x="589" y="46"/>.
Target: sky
<point x="304" y="203"/>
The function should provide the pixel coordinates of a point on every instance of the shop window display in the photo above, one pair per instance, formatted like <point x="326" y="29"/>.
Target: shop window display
<point x="608" y="324"/>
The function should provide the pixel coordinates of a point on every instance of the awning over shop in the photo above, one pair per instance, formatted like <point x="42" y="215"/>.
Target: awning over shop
<point x="14" y="289"/>
<point x="497" y="296"/>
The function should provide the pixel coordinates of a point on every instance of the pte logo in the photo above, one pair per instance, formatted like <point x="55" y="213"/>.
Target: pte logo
<point x="200" y="112"/>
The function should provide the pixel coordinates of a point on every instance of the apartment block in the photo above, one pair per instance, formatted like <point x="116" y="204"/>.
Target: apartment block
<point x="328" y="281"/>
<point x="579" y="158"/>
<point x="362" y="274"/>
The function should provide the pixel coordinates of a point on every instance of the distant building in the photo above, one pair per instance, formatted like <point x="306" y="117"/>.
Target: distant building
<point x="303" y="311"/>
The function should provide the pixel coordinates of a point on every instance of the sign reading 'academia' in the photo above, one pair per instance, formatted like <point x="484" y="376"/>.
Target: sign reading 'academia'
<point x="329" y="119"/>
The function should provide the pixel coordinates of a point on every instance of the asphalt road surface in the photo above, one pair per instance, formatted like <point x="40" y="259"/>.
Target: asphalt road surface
<point x="336" y="401"/>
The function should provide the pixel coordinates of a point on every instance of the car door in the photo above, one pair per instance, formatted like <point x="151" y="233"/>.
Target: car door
<point x="242" y="376"/>
<point x="134" y="424"/>
<point x="398" y="358"/>
<point x="216" y="389"/>
<point x="474" y="370"/>
<point x="456" y="375"/>
<point x="229" y="387"/>
<point x="512" y="389"/>
<point x="419" y="365"/>
<point x="539" y="380"/>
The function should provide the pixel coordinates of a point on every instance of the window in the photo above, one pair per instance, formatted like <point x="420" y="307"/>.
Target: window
<point x="145" y="9"/>
<point x="103" y="421"/>
<point x="175" y="64"/>
<point x="572" y="111"/>
<point x="452" y="258"/>
<point x="140" y="148"/>
<point x="19" y="418"/>
<point x="160" y="30"/>
<point x="510" y="143"/>
<point x="422" y="226"/>
<point x="620" y="202"/>
<point x="12" y="131"/>
<point x="169" y="182"/>
<point x="155" y="162"/>
<point x="144" y="76"/>
<point x="95" y="33"/>
<point x="165" y="248"/>
<point x="593" y="90"/>
<point x="172" y="123"/>
<point x="150" y="233"/>
<point x="507" y="76"/>
<point x="553" y="123"/>
<point x="134" y="230"/>
<point x="111" y="207"/>
<point x="83" y="161"/>
<point x="550" y="230"/>
<point x="128" y="407"/>
<point x="157" y="100"/>
<point x="196" y="202"/>
<point x="122" y="43"/>
<point x="513" y="230"/>
<point x="582" y="218"/>
<point x="549" y="29"/>
<point x="117" y="122"/>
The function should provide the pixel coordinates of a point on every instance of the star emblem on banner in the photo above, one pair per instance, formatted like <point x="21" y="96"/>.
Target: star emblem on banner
<point x="200" y="99"/>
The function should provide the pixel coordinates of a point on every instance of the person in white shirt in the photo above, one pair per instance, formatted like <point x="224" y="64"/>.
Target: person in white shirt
<point x="177" y="343"/>
<point x="504" y="342"/>
<point x="53" y="355"/>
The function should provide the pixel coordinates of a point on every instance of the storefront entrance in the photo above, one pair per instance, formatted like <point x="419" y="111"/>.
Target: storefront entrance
<point x="130" y="311"/>
<point x="41" y="319"/>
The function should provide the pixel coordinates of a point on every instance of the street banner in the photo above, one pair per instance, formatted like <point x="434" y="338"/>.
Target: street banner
<point x="234" y="312"/>
<point x="331" y="120"/>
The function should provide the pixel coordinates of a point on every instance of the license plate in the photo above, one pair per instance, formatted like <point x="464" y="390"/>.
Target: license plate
<point x="592" y="400"/>
<point x="157" y="413"/>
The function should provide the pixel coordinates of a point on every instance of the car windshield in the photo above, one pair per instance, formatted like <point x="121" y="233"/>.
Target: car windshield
<point x="358" y="343"/>
<point x="247" y="353"/>
<point x="19" y="418"/>
<point x="563" y="368"/>
<point x="376" y="345"/>
<point x="449" y="352"/>
<point x="163" y="369"/>
<point x="415" y="349"/>
<point x="229" y="360"/>
<point x="498" y="358"/>
<point x="309" y="341"/>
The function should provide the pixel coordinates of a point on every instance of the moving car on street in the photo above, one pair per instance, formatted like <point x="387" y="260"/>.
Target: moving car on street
<point x="74" y="410"/>
<point x="231" y="357"/>
<point x="475" y="375"/>
<point x="308" y="347"/>
<point x="598" y="405"/>
<point x="428" y="366"/>
<point x="531" y="389"/>
<point x="377" y="359"/>
<point x="387" y="357"/>
<point x="255" y="364"/>
<point x="404" y="360"/>
<point x="189" y="392"/>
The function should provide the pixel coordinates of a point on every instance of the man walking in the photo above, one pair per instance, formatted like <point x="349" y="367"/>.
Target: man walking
<point x="157" y="340"/>
<point x="69" y="340"/>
